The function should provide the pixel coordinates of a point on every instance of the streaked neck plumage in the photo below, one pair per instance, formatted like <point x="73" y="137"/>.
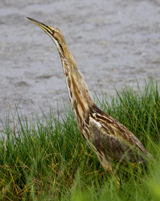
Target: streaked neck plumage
<point x="77" y="88"/>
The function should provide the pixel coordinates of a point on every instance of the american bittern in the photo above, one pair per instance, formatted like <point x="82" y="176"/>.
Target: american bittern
<point x="108" y="138"/>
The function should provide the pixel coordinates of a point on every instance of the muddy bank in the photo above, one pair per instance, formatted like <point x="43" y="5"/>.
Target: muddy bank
<point x="114" y="43"/>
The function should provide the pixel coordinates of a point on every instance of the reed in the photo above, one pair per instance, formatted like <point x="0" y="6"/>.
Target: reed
<point x="49" y="160"/>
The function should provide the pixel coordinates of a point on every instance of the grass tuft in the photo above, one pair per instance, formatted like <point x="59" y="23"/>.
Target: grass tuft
<point x="49" y="160"/>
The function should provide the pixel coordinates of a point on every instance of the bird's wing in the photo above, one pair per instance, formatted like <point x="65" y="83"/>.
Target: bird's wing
<point x="109" y="145"/>
<point x="111" y="128"/>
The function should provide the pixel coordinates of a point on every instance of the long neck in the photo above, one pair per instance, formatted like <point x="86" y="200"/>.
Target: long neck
<point x="77" y="89"/>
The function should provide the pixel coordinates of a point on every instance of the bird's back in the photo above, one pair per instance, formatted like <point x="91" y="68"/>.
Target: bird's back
<point x="113" y="140"/>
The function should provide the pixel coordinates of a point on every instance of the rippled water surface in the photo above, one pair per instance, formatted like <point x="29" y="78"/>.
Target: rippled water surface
<point x="114" y="43"/>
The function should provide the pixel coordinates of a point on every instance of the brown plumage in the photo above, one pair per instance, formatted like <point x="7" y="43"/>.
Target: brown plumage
<point x="108" y="138"/>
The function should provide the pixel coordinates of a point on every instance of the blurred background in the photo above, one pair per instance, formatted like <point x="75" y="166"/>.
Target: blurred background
<point x="114" y="42"/>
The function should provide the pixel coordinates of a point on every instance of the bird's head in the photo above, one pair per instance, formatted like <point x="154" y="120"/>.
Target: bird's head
<point x="55" y="35"/>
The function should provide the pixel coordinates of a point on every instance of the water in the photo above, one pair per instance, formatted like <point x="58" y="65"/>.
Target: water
<point x="114" y="44"/>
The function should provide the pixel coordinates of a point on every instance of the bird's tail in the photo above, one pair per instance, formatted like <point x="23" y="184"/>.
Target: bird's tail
<point x="148" y="157"/>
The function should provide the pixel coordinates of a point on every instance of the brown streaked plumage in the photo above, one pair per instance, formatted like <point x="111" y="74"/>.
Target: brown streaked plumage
<point x="106" y="136"/>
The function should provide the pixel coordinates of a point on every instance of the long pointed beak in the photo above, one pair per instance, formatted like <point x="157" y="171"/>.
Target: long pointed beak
<point x="46" y="28"/>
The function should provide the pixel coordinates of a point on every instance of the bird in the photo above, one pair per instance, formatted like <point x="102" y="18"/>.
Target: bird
<point x="108" y="138"/>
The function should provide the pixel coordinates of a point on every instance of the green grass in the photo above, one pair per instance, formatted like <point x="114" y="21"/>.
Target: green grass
<point x="49" y="160"/>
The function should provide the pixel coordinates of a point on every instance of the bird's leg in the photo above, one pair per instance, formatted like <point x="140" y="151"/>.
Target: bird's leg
<point x="107" y="166"/>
